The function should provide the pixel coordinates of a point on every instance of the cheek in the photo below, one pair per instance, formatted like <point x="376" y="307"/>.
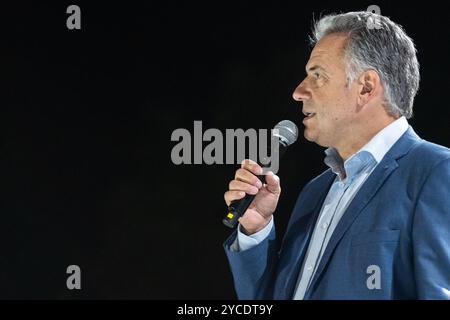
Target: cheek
<point x="330" y="114"/>
<point x="335" y="104"/>
<point x="339" y="111"/>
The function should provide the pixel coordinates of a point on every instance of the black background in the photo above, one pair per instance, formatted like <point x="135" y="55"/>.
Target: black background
<point x="87" y="116"/>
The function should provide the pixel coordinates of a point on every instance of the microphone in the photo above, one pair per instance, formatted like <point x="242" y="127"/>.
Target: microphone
<point x="287" y="135"/>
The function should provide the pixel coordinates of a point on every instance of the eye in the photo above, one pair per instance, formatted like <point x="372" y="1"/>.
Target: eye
<point x="316" y="75"/>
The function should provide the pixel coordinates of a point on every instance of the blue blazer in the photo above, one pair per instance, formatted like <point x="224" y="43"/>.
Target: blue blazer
<point x="399" y="221"/>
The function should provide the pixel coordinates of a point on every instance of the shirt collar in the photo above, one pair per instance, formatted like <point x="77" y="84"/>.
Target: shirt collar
<point x="380" y="144"/>
<point x="372" y="152"/>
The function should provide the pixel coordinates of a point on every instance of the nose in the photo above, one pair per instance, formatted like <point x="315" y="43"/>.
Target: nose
<point x="301" y="93"/>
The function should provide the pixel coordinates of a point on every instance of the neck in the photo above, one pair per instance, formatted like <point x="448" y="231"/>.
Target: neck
<point x="360" y="136"/>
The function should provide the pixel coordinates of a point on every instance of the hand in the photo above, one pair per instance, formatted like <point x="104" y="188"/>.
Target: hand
<point x="260" y="211"/>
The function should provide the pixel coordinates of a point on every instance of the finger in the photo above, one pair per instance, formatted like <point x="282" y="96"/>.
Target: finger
<point x="247" y="176"/>
<point x="233" y="195"/>
<point x="273" y="183"/>
<point x="236" y="185"/>
<point x="251" y="166"/>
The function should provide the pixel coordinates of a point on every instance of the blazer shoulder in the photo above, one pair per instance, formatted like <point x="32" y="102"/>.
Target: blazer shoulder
<point x="428" y="154"/>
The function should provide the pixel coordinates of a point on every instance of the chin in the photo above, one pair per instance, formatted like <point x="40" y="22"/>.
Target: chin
<point x="308" y="136"/>
<point x="311" y="137"/>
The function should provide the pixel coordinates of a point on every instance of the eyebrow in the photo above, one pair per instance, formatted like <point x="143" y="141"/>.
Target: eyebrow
<point x="315" y="67"/>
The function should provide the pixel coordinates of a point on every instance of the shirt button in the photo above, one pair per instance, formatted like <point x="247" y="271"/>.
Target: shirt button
<point x="309" y="268"/>
<point x="324" y="225"/>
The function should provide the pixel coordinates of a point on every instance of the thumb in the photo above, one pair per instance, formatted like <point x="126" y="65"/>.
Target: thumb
<point x="273" y="183"/>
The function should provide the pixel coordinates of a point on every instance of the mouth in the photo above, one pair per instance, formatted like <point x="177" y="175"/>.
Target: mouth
<point x="308" y="115"/>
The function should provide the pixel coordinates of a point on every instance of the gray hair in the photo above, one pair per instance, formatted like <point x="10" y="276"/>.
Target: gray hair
<point x="377" y="43"/>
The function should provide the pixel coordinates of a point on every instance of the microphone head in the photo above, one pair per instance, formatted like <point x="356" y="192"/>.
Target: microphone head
<point x="287" y="132"/>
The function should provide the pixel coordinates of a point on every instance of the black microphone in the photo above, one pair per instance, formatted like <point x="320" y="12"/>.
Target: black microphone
<point x="287" y="135"/>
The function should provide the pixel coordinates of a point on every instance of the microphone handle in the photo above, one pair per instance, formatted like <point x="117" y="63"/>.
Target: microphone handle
<point x="238" y="207"/>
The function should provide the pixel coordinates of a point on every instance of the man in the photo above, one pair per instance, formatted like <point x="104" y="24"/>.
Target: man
<point x="376" y="225"/>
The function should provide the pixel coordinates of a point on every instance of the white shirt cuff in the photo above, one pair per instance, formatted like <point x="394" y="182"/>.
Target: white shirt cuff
<point x="244" y="242"/>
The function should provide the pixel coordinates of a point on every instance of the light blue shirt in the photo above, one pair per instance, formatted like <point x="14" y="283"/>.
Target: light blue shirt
<point x="350" y="176"/>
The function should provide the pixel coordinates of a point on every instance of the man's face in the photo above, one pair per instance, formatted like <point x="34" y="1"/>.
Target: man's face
<point x="328" y="101"/>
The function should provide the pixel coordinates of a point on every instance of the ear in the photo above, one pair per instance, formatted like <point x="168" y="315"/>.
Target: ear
<point x="369" y="85"/>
